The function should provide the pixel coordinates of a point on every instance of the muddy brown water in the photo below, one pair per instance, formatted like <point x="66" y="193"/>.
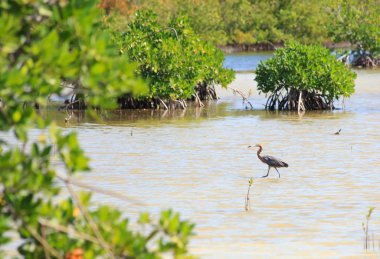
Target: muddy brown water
<point x="198" y="163"/>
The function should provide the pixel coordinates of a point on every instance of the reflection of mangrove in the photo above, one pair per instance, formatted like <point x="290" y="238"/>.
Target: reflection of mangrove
<point x="211" y="109"/>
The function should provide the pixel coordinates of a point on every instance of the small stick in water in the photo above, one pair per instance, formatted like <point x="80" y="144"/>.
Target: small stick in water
<point x="132" y="131"/>
<point x="247" y="202"/>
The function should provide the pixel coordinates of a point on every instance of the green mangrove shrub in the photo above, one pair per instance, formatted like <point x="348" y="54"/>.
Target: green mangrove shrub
<point x="357" y="22"/>
<point x="41" y="43"/>
<point x="303" y="77"/>
<point x="176" y="63"/>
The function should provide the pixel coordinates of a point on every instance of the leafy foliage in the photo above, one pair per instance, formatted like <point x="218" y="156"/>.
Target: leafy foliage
<point x="300" y="68"/>
<point x="256" y="21"/>
<point x="358" y="23"/>
<point x="41" y="43"/>
<point x="249" y="21"/>
<point x="173" y="59"/>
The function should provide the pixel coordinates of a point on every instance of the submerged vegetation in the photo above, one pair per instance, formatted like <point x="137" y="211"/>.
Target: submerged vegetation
<point x="42" y="43"/>
<point x="301" y="77"/>
<point x="247" y="205"/>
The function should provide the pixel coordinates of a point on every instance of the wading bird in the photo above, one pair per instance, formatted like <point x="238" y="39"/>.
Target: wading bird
<point x="269" y="160"/>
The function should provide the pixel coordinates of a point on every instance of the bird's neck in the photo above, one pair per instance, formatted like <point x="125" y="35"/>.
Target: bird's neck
<point x="259" y="151"/>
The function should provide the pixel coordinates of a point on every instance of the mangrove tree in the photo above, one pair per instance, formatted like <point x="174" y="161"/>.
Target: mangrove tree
<point x="303" y="77"/>
<point x="177" y="64"/>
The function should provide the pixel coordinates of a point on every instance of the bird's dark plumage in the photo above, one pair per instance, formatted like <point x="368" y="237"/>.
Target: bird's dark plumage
<point x="271" y="161"/>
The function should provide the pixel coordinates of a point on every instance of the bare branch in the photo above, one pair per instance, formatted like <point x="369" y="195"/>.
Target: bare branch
<point x="99" y="190"/>
<point x="68" y="231"/>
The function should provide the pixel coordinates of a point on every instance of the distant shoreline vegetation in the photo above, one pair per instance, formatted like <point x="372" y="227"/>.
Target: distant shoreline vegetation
<point x="257" y="47"/>
<point x="242" y="25"/>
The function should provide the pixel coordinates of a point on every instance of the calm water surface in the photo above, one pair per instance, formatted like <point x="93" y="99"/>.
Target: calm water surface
<point x="246" y="61"/>
<point x="198" y="162"/>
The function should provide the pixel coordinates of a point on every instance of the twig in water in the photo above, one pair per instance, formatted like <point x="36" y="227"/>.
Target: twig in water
<point x="367" y="238"/>
<point x="247" y="201"/>
<point x="243" y="95"/>
<point x="131" y="130"/>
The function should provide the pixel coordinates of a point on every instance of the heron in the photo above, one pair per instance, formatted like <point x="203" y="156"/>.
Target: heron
<point x="269" y="160"/>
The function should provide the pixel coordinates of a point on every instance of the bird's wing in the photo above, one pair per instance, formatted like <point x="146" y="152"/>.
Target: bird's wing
<point x="274" y="162"/>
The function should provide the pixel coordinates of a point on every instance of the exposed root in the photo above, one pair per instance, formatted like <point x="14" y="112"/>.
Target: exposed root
<point x="198" y="100"/>
<point x="359" y="58"/>
<point x="292" y="99"/>
<point x="203" y="93"/>
<point x="163" y="103"/>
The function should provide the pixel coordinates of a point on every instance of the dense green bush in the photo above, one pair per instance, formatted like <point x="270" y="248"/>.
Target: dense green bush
<point x="303" y="77"/>
<point x="41" y="43"/>
<point x="173" y="60"/>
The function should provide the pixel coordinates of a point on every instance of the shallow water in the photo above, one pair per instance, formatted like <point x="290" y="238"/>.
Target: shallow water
<point x="198" y="163"/>
<point x="246" y="61"/>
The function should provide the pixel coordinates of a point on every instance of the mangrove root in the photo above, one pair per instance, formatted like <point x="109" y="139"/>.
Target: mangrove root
<point x="298" y="101"/>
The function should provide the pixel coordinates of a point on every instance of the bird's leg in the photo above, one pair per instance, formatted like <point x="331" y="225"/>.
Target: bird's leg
<point x="278" y="173"/>
<point x="267" y="173"/>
